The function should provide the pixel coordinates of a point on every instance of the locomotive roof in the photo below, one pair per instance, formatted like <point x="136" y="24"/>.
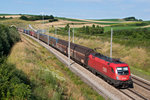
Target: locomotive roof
<point x="111" y="60"/>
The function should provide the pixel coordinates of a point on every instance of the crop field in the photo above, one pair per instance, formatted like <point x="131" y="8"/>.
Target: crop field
<point x="109" y="20"/>
<point x="119" y="28"/>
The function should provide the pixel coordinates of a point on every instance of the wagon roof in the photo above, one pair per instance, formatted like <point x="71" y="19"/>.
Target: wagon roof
<point x="109" y="59"/>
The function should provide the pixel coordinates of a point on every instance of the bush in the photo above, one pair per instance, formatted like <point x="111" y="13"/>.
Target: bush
<point x="53" y="20"/>
<point x="13" y="83"/>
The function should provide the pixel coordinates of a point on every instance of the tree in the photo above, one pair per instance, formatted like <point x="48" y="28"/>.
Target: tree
<point x="23" y="17"/>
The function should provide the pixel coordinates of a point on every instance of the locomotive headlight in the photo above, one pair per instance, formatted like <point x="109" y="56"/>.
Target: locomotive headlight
<point x="117" y="78"/>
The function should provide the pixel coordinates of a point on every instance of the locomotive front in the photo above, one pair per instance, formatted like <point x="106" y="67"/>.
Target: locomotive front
<point x="123" y="76"/>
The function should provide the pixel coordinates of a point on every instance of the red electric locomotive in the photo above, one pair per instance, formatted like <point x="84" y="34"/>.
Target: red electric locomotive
<point x="112" y="70"/>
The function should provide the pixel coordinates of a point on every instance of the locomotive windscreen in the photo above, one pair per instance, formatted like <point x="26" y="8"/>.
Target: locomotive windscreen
<point x="122" y="70"/>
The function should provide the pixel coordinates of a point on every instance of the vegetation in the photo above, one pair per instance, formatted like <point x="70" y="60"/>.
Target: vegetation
<point x="85" y="30"/>
<point x="8" y="37"/>
<point x="38" y="17"/>
<point x="132" y="19"/>
<point x="53" y="20"/>
<point x="94" y="30"/>
<point x="13" y="83"/>
<point x="108" y="28"/>
<point x="143" y="23"/>
<point x="132" y="37"/>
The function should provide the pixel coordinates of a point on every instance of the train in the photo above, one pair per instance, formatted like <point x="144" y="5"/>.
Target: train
<point x="113" y="71"/>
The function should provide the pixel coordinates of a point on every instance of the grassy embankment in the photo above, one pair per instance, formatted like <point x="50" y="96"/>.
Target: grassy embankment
<point x="50" y="78"/>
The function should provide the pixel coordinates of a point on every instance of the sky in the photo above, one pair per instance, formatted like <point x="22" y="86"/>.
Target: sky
<point x="83" y="9"/>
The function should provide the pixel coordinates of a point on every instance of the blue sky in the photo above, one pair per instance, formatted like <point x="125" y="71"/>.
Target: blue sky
<point x="85" y="9"/>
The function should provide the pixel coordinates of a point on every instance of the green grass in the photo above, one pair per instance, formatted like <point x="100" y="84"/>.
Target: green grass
<point x="140" y="73"/>
<point x="109" y="20"/>
<point x="119" y="28"/>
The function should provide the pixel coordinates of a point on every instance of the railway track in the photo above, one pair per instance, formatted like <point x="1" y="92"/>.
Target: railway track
<point x="142" y="83"/>
<point x="139" y="92"/>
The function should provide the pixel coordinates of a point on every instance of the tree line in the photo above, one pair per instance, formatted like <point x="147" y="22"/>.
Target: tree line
<point x="38" y="17"/>
<point x="93" y="30"/>
<point x="139" y="33"/>
<point x="132" y="19"/>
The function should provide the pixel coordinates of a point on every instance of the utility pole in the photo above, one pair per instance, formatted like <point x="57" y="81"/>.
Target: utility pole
<point x="73" y="34"/>
<point x="111" y="43"/>
<point x="69" y="47"/>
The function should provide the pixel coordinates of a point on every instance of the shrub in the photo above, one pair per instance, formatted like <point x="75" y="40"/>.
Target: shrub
<point x="13" y="83"/>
